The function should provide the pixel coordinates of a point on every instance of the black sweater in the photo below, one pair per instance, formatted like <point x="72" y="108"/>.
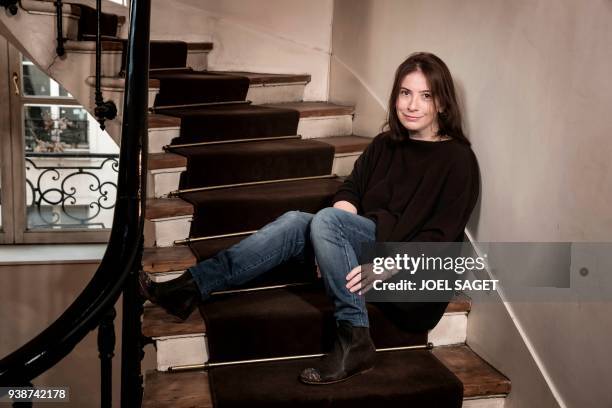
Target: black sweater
<point x="414" y="190"/>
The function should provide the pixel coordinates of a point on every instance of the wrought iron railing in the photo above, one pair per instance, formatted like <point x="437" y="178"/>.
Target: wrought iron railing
<point x="118" y="270"/>
<point x="57" y="192"/>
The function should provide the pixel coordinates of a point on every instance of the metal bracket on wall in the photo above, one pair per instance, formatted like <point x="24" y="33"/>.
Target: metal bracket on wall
<point x="10" y="5"/>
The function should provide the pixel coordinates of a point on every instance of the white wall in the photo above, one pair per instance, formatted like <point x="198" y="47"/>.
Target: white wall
<point x="533" y="76"/>
<point x="273" y="36"/>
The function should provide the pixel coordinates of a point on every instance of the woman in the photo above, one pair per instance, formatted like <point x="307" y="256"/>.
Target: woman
<point x="417" y="181"/>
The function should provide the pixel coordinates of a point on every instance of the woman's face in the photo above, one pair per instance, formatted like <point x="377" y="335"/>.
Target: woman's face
<point x="415" y="106"/>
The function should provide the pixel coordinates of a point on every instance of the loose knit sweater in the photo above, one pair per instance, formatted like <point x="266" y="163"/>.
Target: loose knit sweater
<point x="415" y="191"/>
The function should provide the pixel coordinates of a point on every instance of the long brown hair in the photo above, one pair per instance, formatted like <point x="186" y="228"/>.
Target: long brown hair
<point x="442" y="88"/>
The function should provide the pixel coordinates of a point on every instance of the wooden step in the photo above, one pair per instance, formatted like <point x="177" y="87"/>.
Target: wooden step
<point x="342" y="145"/>
<point x="316" y="109"/>
<point x="170" y="259"/>
<point x="158" y="323"/>
<point x="184" y="343"/>
<point x="317" y="120"/>
<point x="256" y="78"/>
<point x="158" y="208"/>
<point x="165" y="168"/>
<point x="191" y="388"/>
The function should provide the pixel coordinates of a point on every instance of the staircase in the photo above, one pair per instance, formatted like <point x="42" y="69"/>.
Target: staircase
<point x="217" y="173"/>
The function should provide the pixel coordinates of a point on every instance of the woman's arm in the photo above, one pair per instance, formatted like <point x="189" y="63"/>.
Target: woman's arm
<point x="346" y="206"/>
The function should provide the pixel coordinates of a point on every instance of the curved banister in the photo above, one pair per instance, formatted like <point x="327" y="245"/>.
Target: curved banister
<point x="122" y="254"/>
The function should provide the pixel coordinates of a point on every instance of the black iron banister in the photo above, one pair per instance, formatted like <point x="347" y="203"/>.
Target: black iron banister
<point x="103" y="110"/>
<point x="60" y="28"/>
<point x="10" y="5"/>
<point x="121" y="261"/>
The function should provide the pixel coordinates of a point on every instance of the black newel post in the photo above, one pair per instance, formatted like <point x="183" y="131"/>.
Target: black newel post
<point x="106" y="349"/>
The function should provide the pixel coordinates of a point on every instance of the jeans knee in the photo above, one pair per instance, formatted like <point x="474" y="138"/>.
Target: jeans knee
<point x="325" y="221"/>
<point x="295" y="221"/>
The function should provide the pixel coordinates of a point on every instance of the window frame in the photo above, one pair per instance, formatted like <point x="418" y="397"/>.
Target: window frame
<point x="13" y="170"/>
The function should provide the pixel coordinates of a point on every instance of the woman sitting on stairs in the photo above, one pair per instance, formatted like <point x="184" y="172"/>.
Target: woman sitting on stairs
<point x="417" y="181"/>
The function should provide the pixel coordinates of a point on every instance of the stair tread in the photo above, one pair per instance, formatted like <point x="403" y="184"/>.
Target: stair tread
<point x="315" y="109"/>
<point x="167" y="259"/>
<point x="167" y="207"/>
<point x="479" y="378"/>
<point x="306" y="109"/>
<point x="191" y="388"/>
<point x="116" y="44"/>
<point x="342" y="144"/>
<point x="347" y="144"/>
<point x="157" y="121"/>
<point x="257" y="78"/>
<point x="158" y="323"/>
<point x="165" y="160"/>
<point x="173" y="207"/>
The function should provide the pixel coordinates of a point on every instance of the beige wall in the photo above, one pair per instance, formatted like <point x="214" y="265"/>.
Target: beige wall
<point x="32" y="297"/>
<point x="533" y="77"/>
<point x="275" y="36"/>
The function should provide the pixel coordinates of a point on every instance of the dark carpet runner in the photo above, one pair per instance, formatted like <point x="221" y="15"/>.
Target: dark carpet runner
<point x="234" y="122"/>
<point x="248" y="208"/>
<point x="256" y="161"/>
<point x="415" y="379"/>
<point x="88" y="23"/>
<point x="188" y="87"/>
<point x="288" y="321"/>
<point x="162" y="54"/>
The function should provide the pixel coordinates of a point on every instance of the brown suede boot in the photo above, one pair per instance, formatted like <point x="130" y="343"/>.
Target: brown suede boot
<point x="179" y="296"/>
<point x="352" y="354"/>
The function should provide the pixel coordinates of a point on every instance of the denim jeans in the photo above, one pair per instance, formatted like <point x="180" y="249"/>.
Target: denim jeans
<point x="335" y="236"/>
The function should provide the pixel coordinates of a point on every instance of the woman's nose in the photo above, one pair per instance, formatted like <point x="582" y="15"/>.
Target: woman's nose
<point x="411" y="104"/>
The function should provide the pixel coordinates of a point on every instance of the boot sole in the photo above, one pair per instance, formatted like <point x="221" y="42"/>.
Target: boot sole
<point x="335" y="381"/>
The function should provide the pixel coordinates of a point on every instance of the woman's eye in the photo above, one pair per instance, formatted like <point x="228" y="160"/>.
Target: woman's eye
<point x="403" y="92"/>
<point x="426" y="96"/>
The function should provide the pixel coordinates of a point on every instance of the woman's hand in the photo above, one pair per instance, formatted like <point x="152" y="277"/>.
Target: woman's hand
<point x="346" y="206"/>
<point x="354" y="280"/>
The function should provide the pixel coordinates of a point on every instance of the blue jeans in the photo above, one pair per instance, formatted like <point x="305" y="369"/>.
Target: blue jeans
<point x="335" y="236"/>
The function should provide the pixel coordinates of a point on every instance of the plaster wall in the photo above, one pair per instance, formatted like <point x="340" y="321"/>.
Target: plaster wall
<point x="275" y="36"/>
<point x="533" y="79"/>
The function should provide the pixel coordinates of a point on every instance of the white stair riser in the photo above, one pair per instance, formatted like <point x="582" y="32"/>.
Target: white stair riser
<point x="163" y="182"/>
<point x="276" y="93"/>
<point x="325" y="126"/>
<point x="343" y="163"/>
<point x="495" y="402"/>
<point x="160" y="137"/>
<point x="177" y="350"/>
<point x="451" y="329"/>
<point x="84" y="61"/>
<point x="309" y="128"/>
<point x="180" y="350"/>
<point x="197" y="59"/>
<point x="164" y="233"/>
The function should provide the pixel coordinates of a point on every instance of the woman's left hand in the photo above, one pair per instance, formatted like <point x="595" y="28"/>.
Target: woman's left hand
<point x="354" y="279"/>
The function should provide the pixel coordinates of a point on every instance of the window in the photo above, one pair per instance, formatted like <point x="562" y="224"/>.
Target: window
<point x="62" y="172"/>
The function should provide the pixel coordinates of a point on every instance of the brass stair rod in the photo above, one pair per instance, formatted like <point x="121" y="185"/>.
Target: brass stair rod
<point x="234" y="234"/>
<point x="197" y="105"/>
<point x="206" y="366"/>
<point x="218" y="142"/>
<point x="250" y="183"/>
<point x="259" y="288"/>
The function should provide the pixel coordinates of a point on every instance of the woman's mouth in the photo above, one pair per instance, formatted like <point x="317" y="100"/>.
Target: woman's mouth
<point x="411" y="118"/>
